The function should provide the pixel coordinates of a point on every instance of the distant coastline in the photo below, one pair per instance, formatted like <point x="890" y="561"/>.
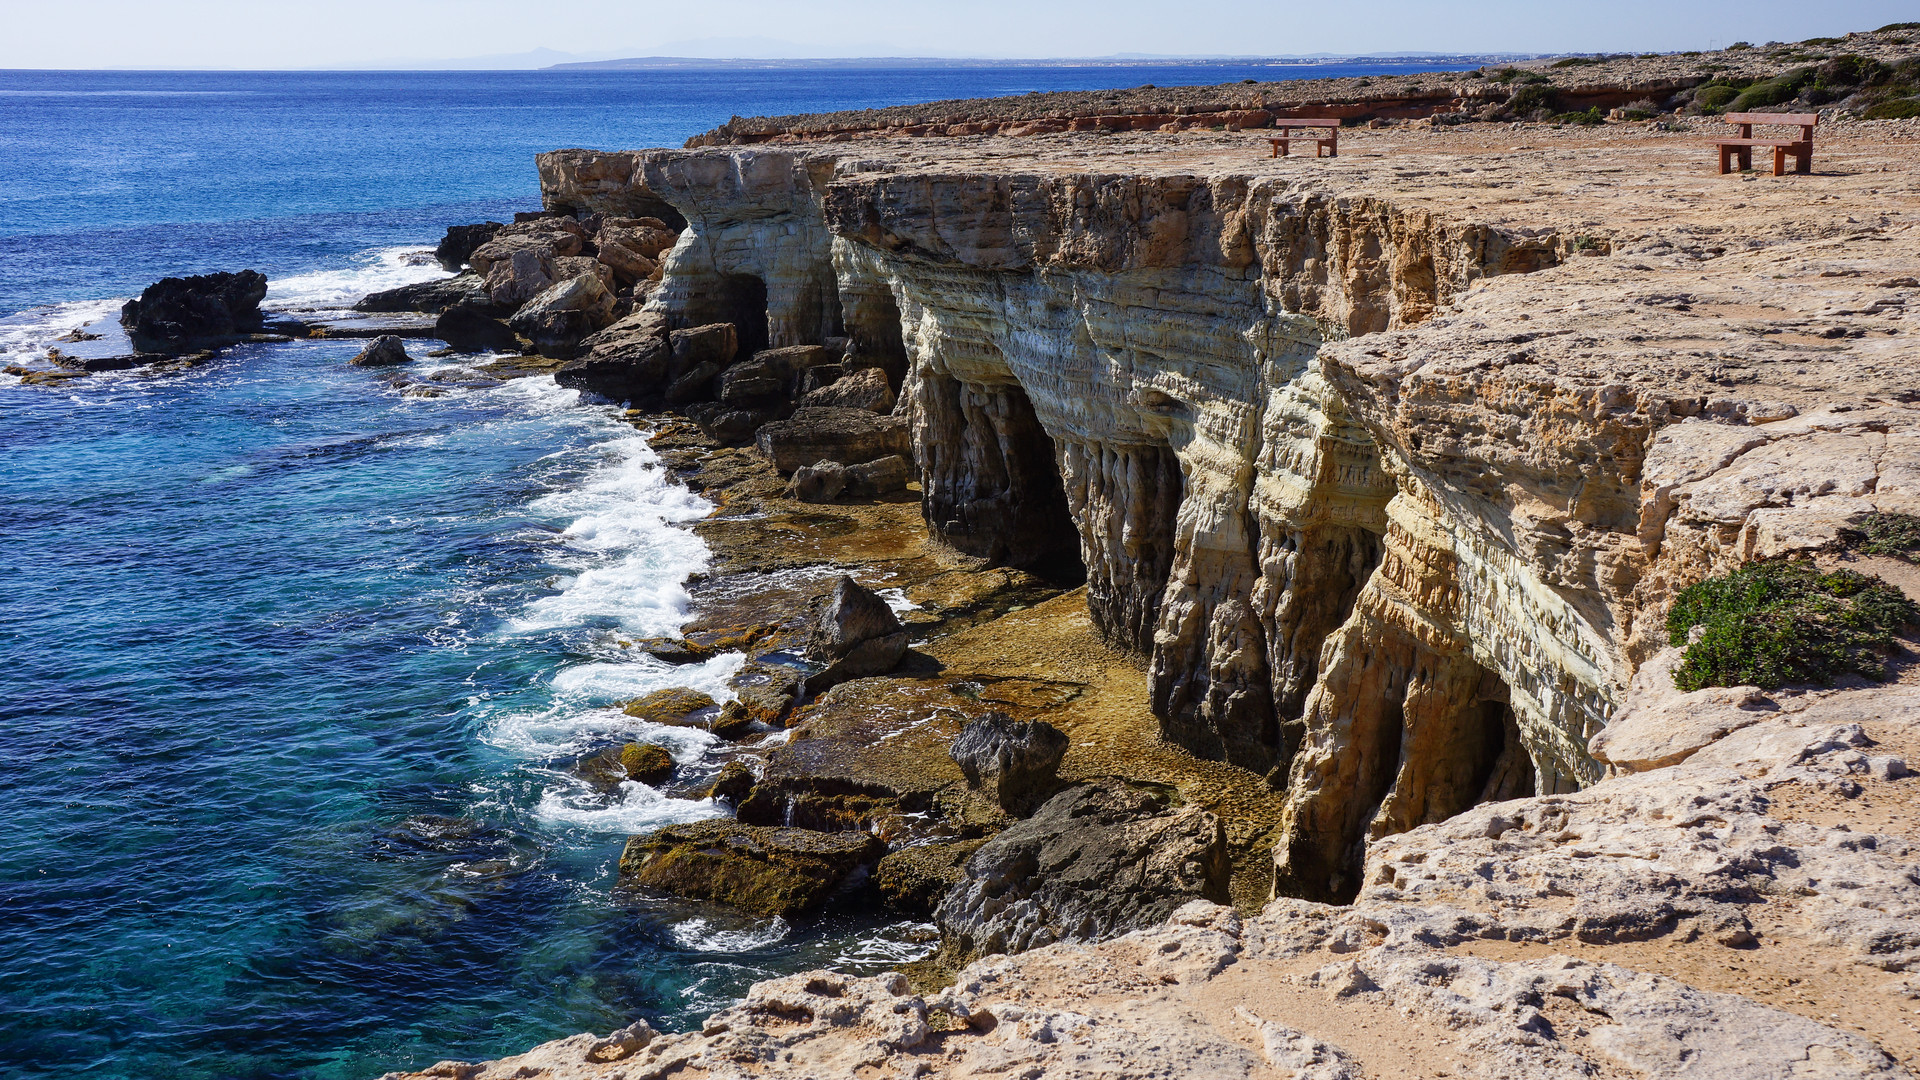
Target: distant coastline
<point x="648" y="63"/>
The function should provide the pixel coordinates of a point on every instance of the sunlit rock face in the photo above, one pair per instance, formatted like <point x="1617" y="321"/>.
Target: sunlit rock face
<point x="1388" y="558"/>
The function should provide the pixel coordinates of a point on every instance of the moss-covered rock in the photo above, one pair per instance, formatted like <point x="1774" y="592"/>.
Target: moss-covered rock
<point x="733" y="785"/>
<point x="1768" y="624"/>
<point x="646" y="763"/>
<point x="734" y="721"/>
<point x="914" y="879"/>
<point x="767" y="871"/>
<point x="672" y="706"/>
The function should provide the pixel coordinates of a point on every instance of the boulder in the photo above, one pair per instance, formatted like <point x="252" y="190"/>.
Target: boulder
<point x="179" y="315"/>
<point x="627" y="361"/>
<point x="865" y="389"/>
<point x="856" y="634"/>
<point x="563" y="316"/>
<point x="753" y="382"/>
<point x="1098" y="860"/>
<point x="733" y="427"/>
<point x="608" y="769"/>
<point x="734" y="722"/>
<point x="432" y="297"/>
<point x="545" y="239"/>
<point x="519" y="277"/>
<point x="767" y="871"/>
<point x="848" y="436"/>
<point x="457" y="246"/>
<point x="648" y="237"/>
<point x="671" y="706"/>
<point x="384" y="351"/>
<point x="714" y="343"/>
<point x="882" y="476"/>
<point x="693" y="384"/>
<point x="914" y="879"/>
<point x="1014" y="762"/>
<point x="733" y="785"/>
<point x="471" y="327"/>
<point x="820" y="482"/>
<point x="628" y="265"/>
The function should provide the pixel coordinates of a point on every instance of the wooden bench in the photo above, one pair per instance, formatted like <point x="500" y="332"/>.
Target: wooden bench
<point x="1324" y="133"/>
<point x="1742" y="146"/>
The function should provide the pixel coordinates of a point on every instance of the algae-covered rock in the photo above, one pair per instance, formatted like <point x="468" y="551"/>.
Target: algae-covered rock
<point x="733" y="722"/>
<point x="646" y="763"/>
<point x="733" y="785"/>
<point x="671" y="706"/>
<point x="767" y="871"/>
<point x="914" y="879"/>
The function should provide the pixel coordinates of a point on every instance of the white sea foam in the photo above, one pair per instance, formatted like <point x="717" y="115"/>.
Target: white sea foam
<point x="29" y="334"/>
<point x="630" y="563"/>
<point x="637" y="809"/>
<point x="372" y="271"/>
<point x="700" y="935"/>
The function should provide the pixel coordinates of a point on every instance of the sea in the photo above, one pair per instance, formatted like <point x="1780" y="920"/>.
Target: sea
<point x="291" y="662"/>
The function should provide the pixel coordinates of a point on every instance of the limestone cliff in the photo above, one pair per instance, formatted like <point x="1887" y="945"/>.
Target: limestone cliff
<point x="1388" y="521"/>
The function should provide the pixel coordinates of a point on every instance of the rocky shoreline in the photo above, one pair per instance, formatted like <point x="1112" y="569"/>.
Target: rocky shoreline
<point x="1232" y="596"/>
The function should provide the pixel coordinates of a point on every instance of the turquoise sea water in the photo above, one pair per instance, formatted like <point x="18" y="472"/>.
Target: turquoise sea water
<point x="290" y="663"/>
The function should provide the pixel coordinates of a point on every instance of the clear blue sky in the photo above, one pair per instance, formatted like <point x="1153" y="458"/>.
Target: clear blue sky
<point x="280" y="34"/>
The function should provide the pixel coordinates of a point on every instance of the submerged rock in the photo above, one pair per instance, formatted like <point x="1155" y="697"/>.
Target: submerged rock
<point x="768" y="871"/>
<point x="179" y="315"/>
<point x="1012" y="761"/>
<point x="385" y="351"/>
<point x="857" y="634"/>
<point x="1095" y="862"/>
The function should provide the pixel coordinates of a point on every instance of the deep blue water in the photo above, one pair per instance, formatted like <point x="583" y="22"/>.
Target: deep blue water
<point x="289" y="662"/>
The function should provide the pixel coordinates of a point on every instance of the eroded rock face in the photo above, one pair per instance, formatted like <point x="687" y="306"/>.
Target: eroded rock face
<point x="1094" y="862"/>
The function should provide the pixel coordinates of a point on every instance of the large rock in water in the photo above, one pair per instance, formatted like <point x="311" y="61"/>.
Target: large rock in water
<point x="385" y="351"/>
<point x="848" y="436"/>
<point x="470" y="327"/>
<point x="458" y="245"/>
<point x="857" y="634"/>
<point x="1095" y="862"/>
<point x="182" y="315"/>
<point x="768" y="871"/>
<point x="625" y="362"/>
<point x="564" y="315"/>
<point x="1013" y="761"/>
<point x="432" y="297"/>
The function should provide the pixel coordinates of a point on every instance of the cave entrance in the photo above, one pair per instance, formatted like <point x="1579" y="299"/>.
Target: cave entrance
<point x="1505" y="769"/>
<point x="873" y="327"/>
<point x="741" y="299"/>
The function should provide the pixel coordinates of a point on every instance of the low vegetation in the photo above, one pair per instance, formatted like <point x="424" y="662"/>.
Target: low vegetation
<point x="1893" y="535"/>
<point x="1773" y="623"/>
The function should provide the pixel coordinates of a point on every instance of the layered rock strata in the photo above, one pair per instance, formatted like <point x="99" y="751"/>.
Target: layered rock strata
<point x="1374" y="535"/>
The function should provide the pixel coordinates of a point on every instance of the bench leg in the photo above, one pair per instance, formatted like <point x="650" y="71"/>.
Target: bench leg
<point x="1803" y="161"/>
<point x="1726" y="159"/>
<point x="1746" y="158"/>
<point x="1780" y="161"/>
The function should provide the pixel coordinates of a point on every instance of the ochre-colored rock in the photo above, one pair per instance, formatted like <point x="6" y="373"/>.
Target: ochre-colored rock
<point x="768" y="871"/>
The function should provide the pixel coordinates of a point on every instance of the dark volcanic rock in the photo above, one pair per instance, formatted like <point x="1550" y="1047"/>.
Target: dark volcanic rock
<point x="1013" y="761"/>
<point x="457" y="246"/>
<point x="432" y="297"/>
<point x="1095" y="862"/>
<point x="769" y="871"/>
<point x="383" y="352"/>
<point x="857" y="633"/>
<point x="470" y="327"/>
<point x="848" y="436"/>
<point x="182" y="315"/>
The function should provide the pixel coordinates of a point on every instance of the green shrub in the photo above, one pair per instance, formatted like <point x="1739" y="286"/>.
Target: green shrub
<point x="1898" y="26"/>
<point x="1776" y="91"/>
<point x="1893" y="535"/>
<point x="1714" y="97"/>
<point x="1738" y="45"/>
<point x="1898" y="109"/>
<point x="1768" y="624"/>
<point x="1586" y="119"/>
<point x="1578" y="61"/>
<point x="1821" y="41"/>
<point x="1533" y="96"/>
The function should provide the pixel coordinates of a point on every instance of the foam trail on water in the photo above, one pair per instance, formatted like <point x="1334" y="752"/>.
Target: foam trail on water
<point x="638" y="809"/>
<point x="374" y="270"/>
